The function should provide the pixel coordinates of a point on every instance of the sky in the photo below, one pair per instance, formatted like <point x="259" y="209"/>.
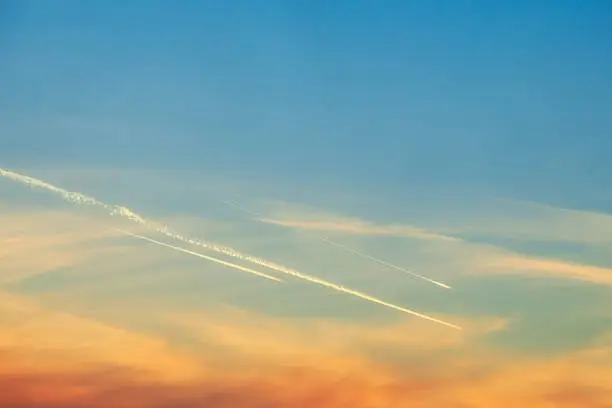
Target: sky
<point x="294" y="204"/>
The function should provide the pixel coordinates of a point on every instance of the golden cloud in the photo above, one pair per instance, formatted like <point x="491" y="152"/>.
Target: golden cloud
<point x="549" y="267"/>
<point x="48" y="340"/>
<point x="250" y="335"/>
<point x="296" y="218"/>
<point x="36" y="242"/>
<point x="581" y="379"/>
<point x="359" y="227"/>
<point x="241" y="359"/>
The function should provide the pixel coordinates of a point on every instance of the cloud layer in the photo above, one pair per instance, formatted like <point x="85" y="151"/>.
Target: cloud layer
<point x="277" y="363"/>
<point x="89" y="318"/>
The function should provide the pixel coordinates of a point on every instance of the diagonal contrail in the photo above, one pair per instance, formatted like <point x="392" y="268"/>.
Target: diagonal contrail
<point x="127" y="213"/>
<point x="346" y="248"/>
<point x="199" y="255"/>
<point x="385" y="263"/>
<point x="308" y="278"/>
<point x="124" y="212"/>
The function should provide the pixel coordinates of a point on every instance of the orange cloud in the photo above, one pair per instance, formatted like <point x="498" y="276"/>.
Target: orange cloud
<point x="574" y="381"/>
<point x="359" y="227"/>
<point x="304" y="219"/>
<point x="36" y="242"/>
<point x="55" y="340"/>
<point x="551" y="267"/>
<point x="243" y="360"/>
<point x="248" y="335"/>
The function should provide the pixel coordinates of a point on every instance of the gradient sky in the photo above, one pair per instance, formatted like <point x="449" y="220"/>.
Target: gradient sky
<point x="467" y="141"/>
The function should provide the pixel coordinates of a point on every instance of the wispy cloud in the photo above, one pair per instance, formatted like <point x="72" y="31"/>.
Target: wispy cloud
<point x="249" y="335"/>
<point x="51" y="340"/>
<point x="529" y="221"/>
<point x="297" y="217"/>
<point x="35" y="242"/>
<point x="357" y="227"/>
<point x="501" y="218"/>
<point x="548" y="267"/>
<point x="470" y="258"/>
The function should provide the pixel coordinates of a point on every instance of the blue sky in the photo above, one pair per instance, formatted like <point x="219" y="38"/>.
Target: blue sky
<point x="511" y="96"/>
<point x="465" y="141"/>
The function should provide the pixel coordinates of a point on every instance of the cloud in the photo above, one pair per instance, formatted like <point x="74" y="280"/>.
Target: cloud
<point x="294" y="217"/>
<point x="284" y="389"/>
<point x="51" y="234"/>
<point x="230" y="357"/>
<point x="523" y="221"/>
<point x="358" y="227"/>
<point x="35" y="242"/>
<point x="528" y="221"/>
<point x="468" y="258"/>
<point x="549" y="267"/>
<point x="53" y="340"/>
<point x="454" y="244"/>
<point x="75" y="243"/>
<point x="50" y="358"/>
<point x="250" y="336"/>
<point x="326" y="375"/>
<point x="301" y="389"/>
<point x="500" y="218"/>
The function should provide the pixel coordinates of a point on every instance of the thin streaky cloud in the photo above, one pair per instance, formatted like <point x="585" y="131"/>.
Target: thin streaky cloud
<point x="528" y="221"/>
<point x="549" y="267"/>
<point x="358" y="227"/>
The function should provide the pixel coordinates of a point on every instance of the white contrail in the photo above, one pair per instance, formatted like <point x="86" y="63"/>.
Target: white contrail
<point x="199" y="255"/>
<point x="79" y="198"/>
<point x="127" y="213"/>
<point x="348" y="249"/>
<point x="385" y="263"/>
<point x="308" y="278"/>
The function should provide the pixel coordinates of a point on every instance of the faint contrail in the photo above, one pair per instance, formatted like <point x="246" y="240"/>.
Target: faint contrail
<point x="127" y="213"/>
<point x="385" y="263"/>
<point x="348" y="249"/>
<point x="210" y="258"/>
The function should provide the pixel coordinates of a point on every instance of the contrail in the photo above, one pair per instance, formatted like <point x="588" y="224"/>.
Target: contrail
<point x="80" y="199"/>
<point x="296" y="274"/>
<point x="385" y="263"/>
<point x="210" y="258"/>
<point x="129" y="214"/>
<point x="348" y="249"/>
